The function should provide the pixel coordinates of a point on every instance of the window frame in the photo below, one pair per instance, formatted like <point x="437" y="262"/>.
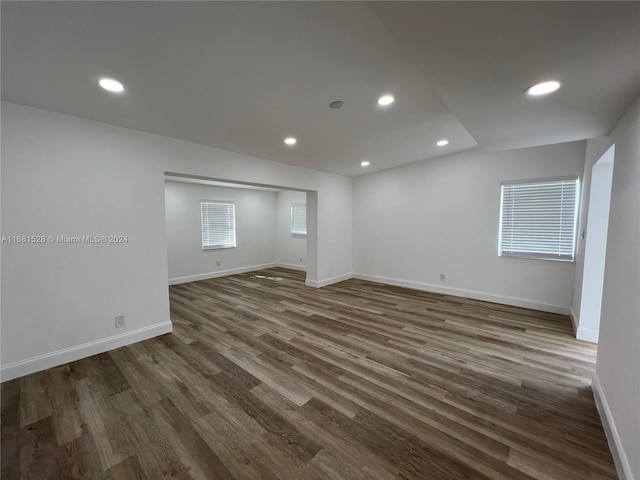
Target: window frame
<point x="525" y="208"/>
<point x="204" y="238"/>
<point x="292" y="225"/>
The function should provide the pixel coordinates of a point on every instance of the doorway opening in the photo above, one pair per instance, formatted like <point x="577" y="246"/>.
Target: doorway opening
<point x="262" y="231"/>
<point x="595" y="247"/>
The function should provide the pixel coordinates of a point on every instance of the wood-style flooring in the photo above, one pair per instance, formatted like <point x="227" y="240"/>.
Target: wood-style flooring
<point x="264" y="378"/>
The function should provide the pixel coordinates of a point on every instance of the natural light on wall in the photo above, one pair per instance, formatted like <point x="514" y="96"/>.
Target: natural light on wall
<point x="538" y="219"/>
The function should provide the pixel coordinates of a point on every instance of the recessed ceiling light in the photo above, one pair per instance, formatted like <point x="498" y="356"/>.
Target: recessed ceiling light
<point x="111" y="85"/>
<point x="443" y="142"/>
<point x="290" y="141"/>
<point x="543" y="88"/>
<point x="385" y="100"/>
<point x="365" y="163"/>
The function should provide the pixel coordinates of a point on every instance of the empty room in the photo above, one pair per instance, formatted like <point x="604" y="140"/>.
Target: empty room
<point x="320" y="240"/>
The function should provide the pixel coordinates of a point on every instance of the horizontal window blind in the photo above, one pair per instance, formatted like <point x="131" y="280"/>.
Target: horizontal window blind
<point x="218" y="225"/>
<point x="538" y="219"/>
<point x="298" y="219"/>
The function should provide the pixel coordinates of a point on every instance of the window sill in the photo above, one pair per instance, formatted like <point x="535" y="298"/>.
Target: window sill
<point x="533" y="257"/>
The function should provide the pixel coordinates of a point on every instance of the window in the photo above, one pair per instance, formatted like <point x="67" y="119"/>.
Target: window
<point x="298" y="219"/>
<point x="218" y="225"/>
<point x="538" y="219"/>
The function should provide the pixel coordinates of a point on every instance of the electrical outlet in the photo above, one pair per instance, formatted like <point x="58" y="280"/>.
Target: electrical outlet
<point x="120" y="321"/>
<point x="218" y="263"/>
<point x="300" y="259"/>
<point x="442" y="277"/>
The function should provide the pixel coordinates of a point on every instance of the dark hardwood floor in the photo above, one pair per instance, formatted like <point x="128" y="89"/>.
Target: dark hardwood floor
<point x="264" y="378"/>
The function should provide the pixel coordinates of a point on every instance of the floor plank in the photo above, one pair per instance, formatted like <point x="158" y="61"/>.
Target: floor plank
<point x="264" y="378"/>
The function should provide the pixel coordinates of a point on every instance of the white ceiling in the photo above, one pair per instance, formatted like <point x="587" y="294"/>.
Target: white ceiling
<point x="243" y="75"/>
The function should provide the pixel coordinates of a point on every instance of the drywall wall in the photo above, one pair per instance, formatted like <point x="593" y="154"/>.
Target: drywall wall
<point x="255" y="231"/>
<point x="441" y="216"/>
<point x="64" y="175"/>
<point x="291" y="251"/>
<point x="326" y="209"/>
<point x="65" y="179"/>
<point x="617" y="379"/>
<point x="595" y="148"/>
<point x="595" y="248"/>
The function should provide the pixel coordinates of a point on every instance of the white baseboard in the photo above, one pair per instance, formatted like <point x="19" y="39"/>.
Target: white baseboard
<point x="574" y="320"/>
<point x="460" y="292"/>
<point x="291" y="266"/>
<point x="71" y="354"/>
<point x="582" y="333"/>
<point x="327" y="281"/>
<point x="220" y="273"/>
<point x="587" y="334"/>
<point x="613" y="438"/>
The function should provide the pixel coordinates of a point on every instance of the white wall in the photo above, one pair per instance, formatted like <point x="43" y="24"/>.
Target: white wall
<point x="255" y="231"/>
<point x="331" y="207"/>
<point x="595" y="250"/>
<point x="441" y="216"/>
<point x="291" y="251"/>
<point x="62" y="176"/>
<point x="617" y="380"/>
<point x="69" y="176"/>
<point x="595" y="148"/>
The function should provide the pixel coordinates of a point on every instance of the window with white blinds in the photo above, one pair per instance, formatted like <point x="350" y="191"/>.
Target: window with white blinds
<point x="218" y="225"/>
<point x="538" y="219"/>
<point x="298" y="219"/>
